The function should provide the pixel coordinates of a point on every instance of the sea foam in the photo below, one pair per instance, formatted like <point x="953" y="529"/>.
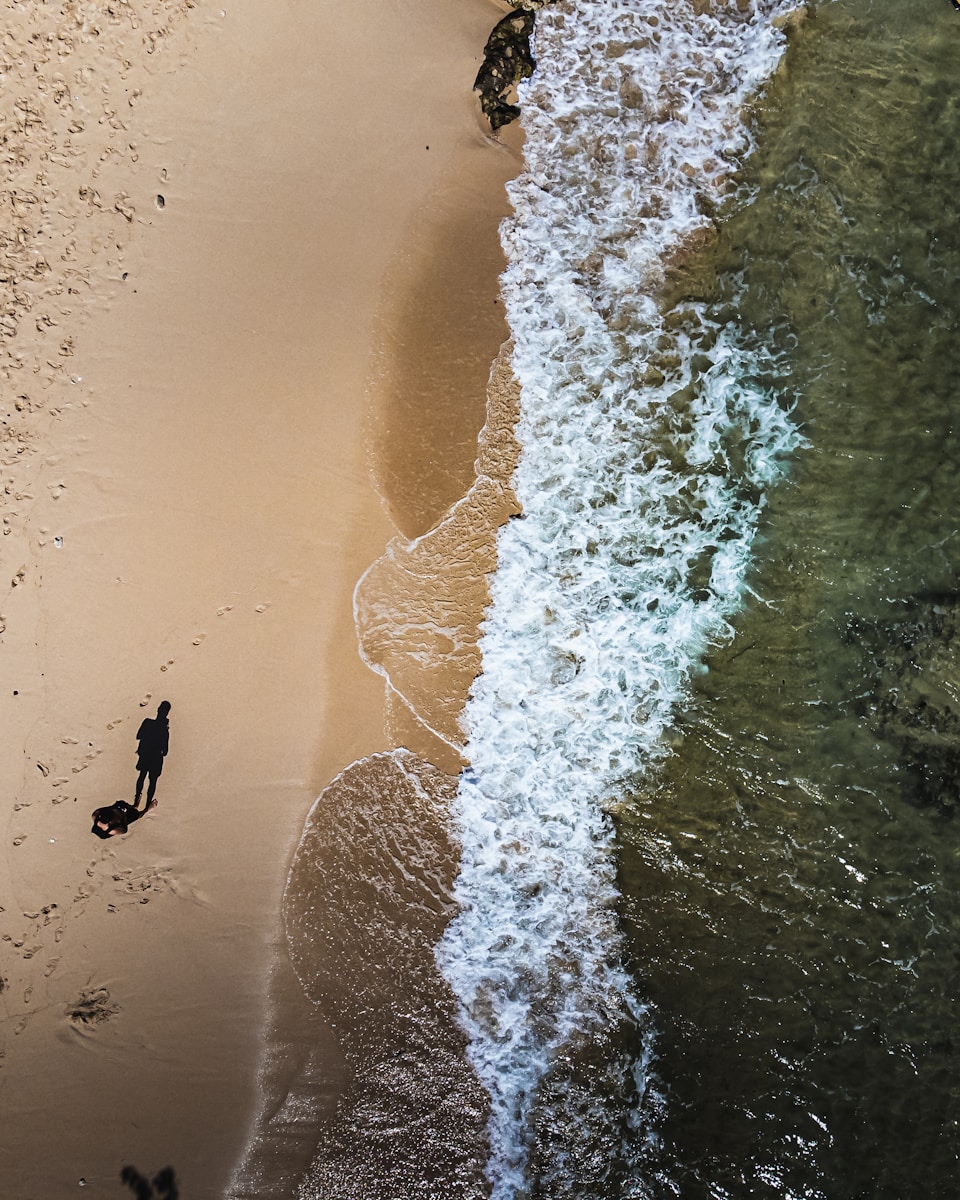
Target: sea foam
<point x="650" y="434"/>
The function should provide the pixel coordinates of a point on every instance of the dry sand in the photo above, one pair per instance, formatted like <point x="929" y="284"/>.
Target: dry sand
<point x="217" y="221"/>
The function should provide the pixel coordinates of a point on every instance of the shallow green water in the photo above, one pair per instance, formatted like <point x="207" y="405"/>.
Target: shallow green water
<point x="792" y="878"/>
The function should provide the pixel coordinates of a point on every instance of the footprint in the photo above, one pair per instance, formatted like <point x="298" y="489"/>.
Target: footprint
<point x="118" y="721"/>
<point x="51" y="967"/>
<point x="167" y="665"/>
<point x="198" y="640"/>
<point x="146" y="700"/>
<point x="44" y="769"/>
<point x="18" y="841"/>
<point x="221" y="612"/>
<point x="68" y="741"/>
<point x="261" y="608"/>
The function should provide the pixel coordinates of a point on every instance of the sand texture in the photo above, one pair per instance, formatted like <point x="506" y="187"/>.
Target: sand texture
<point x="217" y="219"/>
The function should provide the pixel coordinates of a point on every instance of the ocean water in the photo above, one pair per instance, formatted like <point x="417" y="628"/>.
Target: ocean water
<point x="686" y="925"/>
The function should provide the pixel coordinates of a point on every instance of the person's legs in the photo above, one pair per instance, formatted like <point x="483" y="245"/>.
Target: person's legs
<point x="154" y="776"/>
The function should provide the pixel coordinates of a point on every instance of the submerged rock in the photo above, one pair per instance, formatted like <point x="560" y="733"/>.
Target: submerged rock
<point x="915" y="702"/>
<point x="506" y="60"/>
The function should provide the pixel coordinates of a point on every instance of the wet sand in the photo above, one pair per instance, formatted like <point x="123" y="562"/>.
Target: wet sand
<point x="217" y="220"/>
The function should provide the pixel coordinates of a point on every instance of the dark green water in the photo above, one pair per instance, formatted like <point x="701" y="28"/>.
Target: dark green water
<point x="792" y="877"/>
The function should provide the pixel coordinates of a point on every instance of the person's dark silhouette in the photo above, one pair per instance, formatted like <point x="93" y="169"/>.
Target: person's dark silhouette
<point x="164" y="1181"/>
<point x="153" y="738"/>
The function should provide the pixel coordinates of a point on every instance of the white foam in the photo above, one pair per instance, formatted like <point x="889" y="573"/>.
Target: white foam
<point x="648" y="445"/>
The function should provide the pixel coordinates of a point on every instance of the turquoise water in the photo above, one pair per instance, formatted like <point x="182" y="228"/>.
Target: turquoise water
<point x="790" y="878"/>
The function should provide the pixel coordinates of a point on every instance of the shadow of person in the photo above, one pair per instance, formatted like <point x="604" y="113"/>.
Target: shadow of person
<point x="153" y="741"/>
<point x="163" y="1187"/>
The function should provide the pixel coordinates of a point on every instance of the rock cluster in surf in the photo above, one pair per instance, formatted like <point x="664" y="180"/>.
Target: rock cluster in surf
<point x="507" y="59"/>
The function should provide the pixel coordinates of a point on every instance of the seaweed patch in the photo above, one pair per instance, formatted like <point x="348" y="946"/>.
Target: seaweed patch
<point x="914" y="704"/>
<point x="92" y="1007"/>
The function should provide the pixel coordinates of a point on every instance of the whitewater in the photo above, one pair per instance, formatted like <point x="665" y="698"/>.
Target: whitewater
<point x="652" y="429"/>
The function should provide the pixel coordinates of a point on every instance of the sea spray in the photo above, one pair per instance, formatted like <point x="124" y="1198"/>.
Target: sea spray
<point x="650" y="433"/>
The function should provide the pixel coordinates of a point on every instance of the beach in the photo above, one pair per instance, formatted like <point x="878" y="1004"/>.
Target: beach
<point x="220" y="227"/>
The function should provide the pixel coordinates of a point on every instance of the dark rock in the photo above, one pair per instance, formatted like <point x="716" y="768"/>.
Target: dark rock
<point x="506" y="60"/>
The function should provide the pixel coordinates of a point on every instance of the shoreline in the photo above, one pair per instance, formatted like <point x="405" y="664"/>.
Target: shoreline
<point x="207" y="555"/>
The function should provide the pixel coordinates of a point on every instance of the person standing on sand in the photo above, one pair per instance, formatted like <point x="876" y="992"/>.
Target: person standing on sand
<point x="153" y="741"/>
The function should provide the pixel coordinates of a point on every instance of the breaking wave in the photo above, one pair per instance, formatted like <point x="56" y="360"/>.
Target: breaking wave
<point x="651" y="430"/>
